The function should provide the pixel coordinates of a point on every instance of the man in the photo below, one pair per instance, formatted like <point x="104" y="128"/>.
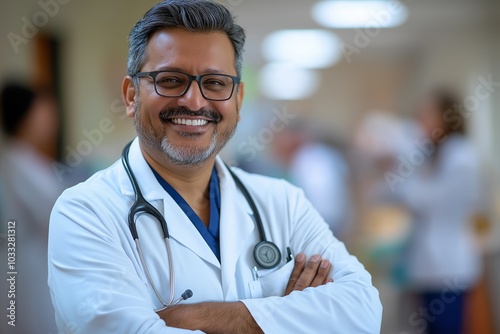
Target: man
<point x="184" y="93"/>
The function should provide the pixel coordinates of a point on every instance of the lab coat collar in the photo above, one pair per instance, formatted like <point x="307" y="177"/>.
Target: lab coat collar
<point x="150" y="188"/>
<point x="236" y="220"/>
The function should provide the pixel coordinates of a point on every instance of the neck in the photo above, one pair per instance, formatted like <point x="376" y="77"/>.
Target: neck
<point x="191" y="182"/>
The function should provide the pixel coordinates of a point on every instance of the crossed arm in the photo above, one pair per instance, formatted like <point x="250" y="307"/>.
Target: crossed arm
<point x="111" y="297"/>
<point x="234" y="317"/>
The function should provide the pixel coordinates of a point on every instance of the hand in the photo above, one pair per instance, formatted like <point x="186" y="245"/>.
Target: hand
<point x="314" y="274"/>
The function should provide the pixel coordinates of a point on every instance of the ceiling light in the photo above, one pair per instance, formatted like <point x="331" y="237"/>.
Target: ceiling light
<point x="360" y="14"/>
<point x="280" y="81"/>
<point x="302" y="48"/>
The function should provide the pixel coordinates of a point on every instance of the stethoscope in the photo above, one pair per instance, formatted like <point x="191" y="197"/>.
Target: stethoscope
<point x="266" y="253"/>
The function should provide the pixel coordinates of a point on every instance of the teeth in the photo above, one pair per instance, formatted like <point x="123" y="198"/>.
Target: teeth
<point x="191" y="122"/>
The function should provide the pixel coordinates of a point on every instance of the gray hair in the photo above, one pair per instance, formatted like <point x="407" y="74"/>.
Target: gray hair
<point x="192" y="15"/>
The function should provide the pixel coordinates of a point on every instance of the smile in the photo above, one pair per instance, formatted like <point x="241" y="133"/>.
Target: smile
<point x="191" y="122"/>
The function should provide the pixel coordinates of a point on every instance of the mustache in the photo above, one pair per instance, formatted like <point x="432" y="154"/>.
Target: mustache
<point x="169" y="113"/>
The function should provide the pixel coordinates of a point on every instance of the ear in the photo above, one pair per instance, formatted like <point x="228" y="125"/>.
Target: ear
<point x="240" y="93"/>
<point x="129" y="95"/>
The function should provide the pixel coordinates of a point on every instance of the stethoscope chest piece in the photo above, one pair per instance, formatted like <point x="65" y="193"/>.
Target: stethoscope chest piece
<point x="266" y="254"/>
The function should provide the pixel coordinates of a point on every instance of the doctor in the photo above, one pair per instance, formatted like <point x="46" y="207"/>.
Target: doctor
<point x="184" y="92"/>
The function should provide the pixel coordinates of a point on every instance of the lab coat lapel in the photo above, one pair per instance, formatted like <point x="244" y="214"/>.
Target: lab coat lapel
<point x="148" y="184"/>
<point x="179" y="226"/>
<point x="183" y="231"/>
<point x="236" y="225"/>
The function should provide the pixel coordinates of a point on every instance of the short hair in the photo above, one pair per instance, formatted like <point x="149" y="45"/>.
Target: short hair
<point x="449" y="106"/>
<point x="192" y="15"/>
<point x="16" y="103"/>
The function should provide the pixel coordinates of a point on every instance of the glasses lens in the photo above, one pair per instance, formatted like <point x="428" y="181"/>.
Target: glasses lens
<point x="171" y="84"/>
<point x="217" y="86"/>
<point x="213" y="86"/>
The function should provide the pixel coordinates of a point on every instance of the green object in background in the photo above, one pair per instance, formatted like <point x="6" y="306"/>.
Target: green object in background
<point x="250" y="79"/>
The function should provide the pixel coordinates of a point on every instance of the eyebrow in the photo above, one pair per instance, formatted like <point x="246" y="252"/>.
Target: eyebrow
<point x="209" y="70"/>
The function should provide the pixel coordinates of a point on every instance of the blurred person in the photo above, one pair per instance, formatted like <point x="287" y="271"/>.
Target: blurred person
<point x="438" y="182"/>
<point x="184" y="92"/>
<point x="29" y="188"/>
<point x="320" y="169"/>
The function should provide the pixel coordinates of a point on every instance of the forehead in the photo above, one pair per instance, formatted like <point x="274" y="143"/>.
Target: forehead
<point x="195" y="52"/>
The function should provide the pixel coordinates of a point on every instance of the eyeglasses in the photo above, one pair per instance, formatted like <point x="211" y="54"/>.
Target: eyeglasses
<point x="215" y="87"/>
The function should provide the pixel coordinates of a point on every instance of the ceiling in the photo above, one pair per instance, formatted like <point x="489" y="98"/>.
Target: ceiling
<point x="428" y="21"/>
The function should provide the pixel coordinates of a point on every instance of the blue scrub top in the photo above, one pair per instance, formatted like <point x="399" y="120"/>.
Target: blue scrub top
<point x="210" y="234"/>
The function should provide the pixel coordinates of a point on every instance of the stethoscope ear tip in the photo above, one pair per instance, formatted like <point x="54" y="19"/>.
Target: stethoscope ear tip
<point x="187" y="294"/>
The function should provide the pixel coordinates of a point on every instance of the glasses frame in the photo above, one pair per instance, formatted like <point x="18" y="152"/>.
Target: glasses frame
<point x="191" y="78"/>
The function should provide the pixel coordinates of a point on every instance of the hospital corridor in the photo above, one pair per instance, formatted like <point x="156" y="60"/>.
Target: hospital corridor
<point x="250" y="166"/>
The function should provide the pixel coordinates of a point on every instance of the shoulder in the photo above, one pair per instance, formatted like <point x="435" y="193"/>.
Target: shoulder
<point x="458" y="151"/>
<point x="93" y="207"/>
<point x="101" y="185"/>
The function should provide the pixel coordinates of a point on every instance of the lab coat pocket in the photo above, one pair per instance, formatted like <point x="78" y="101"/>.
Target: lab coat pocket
<point x="255" y="289"/>
<point x="274" y="283"/>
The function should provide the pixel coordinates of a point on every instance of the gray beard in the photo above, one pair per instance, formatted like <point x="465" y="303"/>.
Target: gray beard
<point x="181" y="156"/>
<point x="184" y="156"/>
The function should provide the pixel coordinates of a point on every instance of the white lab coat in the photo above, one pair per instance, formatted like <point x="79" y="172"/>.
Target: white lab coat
<point x="98" y="284"/>
<point x="442" y="251"/>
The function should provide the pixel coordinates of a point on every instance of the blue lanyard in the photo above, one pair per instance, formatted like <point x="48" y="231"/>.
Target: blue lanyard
<point x="210" y="234"/>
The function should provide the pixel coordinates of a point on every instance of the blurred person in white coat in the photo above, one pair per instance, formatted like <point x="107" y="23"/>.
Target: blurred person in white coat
<point x="438" y="182"/>
<point x="319" y="168"/>
<point x="29" y="188"/>
<point x="112" y="270"/>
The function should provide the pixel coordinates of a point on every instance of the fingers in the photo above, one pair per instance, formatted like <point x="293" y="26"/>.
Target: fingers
<point x="305" y="279"/>
<point x="300" y="262"/>
<point x="322" y="273"/>
<point x="311" y="274"/>
<point x="314" y="273"/>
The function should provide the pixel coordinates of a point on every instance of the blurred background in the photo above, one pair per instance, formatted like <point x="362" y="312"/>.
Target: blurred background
<point x="361" y="103"/>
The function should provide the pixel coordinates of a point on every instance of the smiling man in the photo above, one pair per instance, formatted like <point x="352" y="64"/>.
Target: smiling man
<point x="171" y="240"/>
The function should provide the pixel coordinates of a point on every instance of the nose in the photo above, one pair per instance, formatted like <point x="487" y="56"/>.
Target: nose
<point x="193" y="99"/>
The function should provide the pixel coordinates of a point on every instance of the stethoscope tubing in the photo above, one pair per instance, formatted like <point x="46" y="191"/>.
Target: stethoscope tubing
<point x="251" y="202"/>
<point x="148" y="275"/>
<point x="141" y="206"/>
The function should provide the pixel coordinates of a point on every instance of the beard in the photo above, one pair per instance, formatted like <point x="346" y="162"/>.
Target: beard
<point x="183" y="155"/>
